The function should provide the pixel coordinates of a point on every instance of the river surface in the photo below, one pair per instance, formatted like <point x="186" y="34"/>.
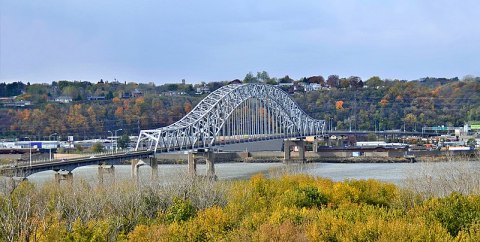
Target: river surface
<point x="396" y="173"/>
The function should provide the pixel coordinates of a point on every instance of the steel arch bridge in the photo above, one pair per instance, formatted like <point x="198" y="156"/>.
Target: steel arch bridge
<point x="232" y="114"/>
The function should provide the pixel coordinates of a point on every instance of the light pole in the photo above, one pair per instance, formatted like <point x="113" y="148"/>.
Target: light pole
<point x="116" y="140"/>
<point x="30" y="144"/>
<point x="50" y="148"/>
<point x="111" y="139"/>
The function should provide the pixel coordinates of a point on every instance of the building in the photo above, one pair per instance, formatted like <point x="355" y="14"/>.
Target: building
<point x="96" y="98"/>
<point x="63" y="99"/>
<point x="18" y="104"/>
<point x="137" y="93"/>
<point x="125" y="95"/>
<point x="202" y="90"/>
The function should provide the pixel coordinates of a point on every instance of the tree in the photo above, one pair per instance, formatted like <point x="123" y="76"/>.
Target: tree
<point x="285" y="79"/>
<point x="339" y="105"/>
<point x="374" y="82"/>
<point x="333" y="81"/>
<point x="472" y="142"/>
<point x="410" y="119"/>
<point x="97" y="147"/>
<point x="250" y="78"/>
<point x="263" y="76"/>
<point x="123" y="141"/>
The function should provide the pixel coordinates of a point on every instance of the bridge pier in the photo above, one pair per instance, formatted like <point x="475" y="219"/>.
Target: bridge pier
<point x="287" y="144"/>
<point x="105" y="169"/>
<point x="135" y="165"/>
<point x="209" y="161"/>
<point x="192" y="164"/>
<point x="66" y="177"/>
<point x="154" y="165"/>
<point x="210" y="157"/>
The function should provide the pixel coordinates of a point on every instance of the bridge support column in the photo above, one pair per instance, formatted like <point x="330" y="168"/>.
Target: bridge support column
<point x="13" y="182"/>
<point x="300" y="144"/>
<point x="105" y="169"/>
<point x="210" y="160"/>
<point x="315" y="145"/>
<point x="192" y="164"/>
<point x="66" y="177"/>
<point x="135" y="165"/>
<point x="154" y="165"/>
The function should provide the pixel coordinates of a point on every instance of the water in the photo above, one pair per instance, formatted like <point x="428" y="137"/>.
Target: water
<point x="396" y="173"/>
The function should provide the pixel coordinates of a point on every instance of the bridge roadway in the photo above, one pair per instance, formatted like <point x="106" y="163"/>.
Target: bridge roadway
<point x="25" y="170"/>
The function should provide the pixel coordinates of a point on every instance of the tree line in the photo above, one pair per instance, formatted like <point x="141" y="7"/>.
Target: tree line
<point x="345" y="103"/>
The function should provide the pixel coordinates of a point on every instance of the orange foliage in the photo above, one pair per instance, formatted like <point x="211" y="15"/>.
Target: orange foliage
<point x="436" y="92"/>
<point x="139" y="101"/>
<point x="339" y="105"/>
<point x="383" y="103"/>
<point x="116" y="100"/>
<point x="119" y="112"/>
<point x="187" y="107"/>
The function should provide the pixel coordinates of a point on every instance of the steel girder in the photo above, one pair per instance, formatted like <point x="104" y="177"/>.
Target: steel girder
<point x="219" y="113"/>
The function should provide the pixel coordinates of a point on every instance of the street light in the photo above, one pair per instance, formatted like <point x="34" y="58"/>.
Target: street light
<point x="111" y="139"/>
<point x="50" y="147"/>
<point x="116" y="139"/>
<point x="30" y="144"/>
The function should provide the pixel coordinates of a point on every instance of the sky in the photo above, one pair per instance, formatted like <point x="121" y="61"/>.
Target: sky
<point x="166" y="41"/>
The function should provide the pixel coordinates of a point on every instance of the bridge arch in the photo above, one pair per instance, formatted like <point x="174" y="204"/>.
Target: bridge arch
<point x="234" y="113"/>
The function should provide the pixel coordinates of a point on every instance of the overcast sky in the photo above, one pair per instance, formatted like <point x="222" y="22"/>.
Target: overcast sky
<point x="212" y="40"/>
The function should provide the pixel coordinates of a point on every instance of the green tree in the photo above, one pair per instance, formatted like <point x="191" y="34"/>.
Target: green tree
<point x="97" y="147"/>
<point x="181" y="210"/>
<point x="471" y="142"/>
<point x="250" y="78"/>
<point x="123" y="141"/>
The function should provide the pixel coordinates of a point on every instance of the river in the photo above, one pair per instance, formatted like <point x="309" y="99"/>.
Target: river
<point x="397" y="173"/>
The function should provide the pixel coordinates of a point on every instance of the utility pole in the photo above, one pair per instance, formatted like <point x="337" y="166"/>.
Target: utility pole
<point x="30" y="144"/>
<point x="50" y="148"/>
<point x="111" y="139"/>
<point x="116" y="140"/>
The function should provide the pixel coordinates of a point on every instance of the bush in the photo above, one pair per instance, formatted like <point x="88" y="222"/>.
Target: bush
<point x="181" y="210"/>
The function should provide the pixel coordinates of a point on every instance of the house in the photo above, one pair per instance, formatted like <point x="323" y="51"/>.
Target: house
<point x="125" y="95"/>
<point x="202" y="90"/>
<point x="137" y="93"/>
<point x="173" y="93"/>
<point x="96" y="98"/>
<point x="63" y="99"/>
<point x="312" y="87"/>
<point x="18" y="104"/>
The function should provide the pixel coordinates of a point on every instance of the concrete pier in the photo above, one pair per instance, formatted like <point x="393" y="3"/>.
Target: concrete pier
<point x="154" y="165"/>
<point x="192" y="164"/>
<point x="287" y="144"/>
<point x="105" y="169"/>
<point x="64" y="177"/>
<point x="209" y="157"/>
<point x="136" y="163"/>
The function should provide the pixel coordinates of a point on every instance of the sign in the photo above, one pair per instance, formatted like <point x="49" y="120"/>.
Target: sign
<point x="475" y="126"/>
<point x="70" y="138"/>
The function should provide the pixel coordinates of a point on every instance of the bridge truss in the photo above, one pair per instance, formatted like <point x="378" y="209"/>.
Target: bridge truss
<point x="234" y="113"/>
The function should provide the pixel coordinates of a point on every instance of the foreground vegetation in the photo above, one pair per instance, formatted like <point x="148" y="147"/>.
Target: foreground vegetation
<point x="287" y="208"/>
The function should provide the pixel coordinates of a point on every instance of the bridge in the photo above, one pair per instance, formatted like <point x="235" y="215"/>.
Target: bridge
<point x="25" y="169"/>
<point x="231" y="114"/>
